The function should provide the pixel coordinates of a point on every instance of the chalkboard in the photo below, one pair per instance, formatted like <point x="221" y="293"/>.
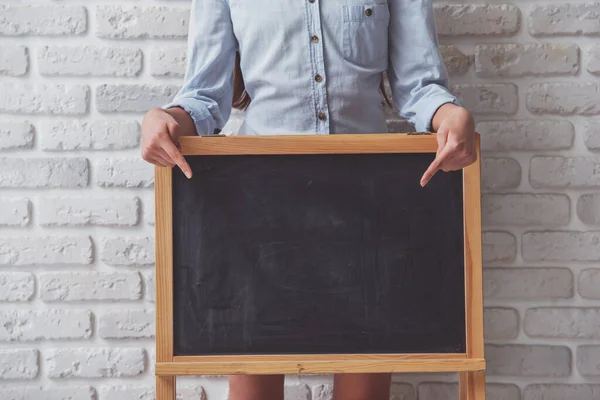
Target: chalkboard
<point x="317" y="254"/>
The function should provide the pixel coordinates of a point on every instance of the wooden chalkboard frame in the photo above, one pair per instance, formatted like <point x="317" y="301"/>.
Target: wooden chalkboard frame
<point x="470" y="365"/>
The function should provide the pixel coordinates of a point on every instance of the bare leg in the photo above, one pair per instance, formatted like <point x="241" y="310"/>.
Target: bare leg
<point x="361" y="386"/>
<point x="256" y="387"/>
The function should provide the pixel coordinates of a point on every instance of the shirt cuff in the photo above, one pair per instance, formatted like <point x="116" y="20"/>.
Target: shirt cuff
<point x="198" y="115"/>
<point x="424" y="119"/>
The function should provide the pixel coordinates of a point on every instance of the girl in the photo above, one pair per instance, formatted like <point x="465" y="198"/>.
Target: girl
<point x="311" y="67"/>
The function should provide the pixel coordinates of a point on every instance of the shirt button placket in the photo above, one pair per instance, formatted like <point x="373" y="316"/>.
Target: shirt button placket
<point x="318" y="67"/>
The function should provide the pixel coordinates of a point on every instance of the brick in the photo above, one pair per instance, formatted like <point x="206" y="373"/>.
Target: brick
<point x="46" y="20"/>
<point x="587" y="208"/>
<point x="395" y="125"/>
<point x="297" y="392"/>
<point x="502" y="391"/>
<point x="19" y="364"/>
<point x="494" y="98"/>
<point x="89" y="135"/>
<point x="128" y="392"/>
<point x="531" y="135"/>
<point x="498" y="247"/>
<point x="14" y="211"/>
<point x="476" y="19"/>
<point x="588" y="360"/>
<point x="557" y="391"/>
<point x="149" y="211"/>
<point x="95" y="363"/>
<point x="89" y="61"/>
<point x="14" y="60"/>
<point x="500" y="173"/>
<point x="592" y="55"/>
<point x="28" y="325"/>
<point x="402" y="391"/>
<point x="592" y="136"/>
<point x="457" y="63"/>
<point x="43" y="172"/>
<point x="563" y="98"/>
<point x="133" y="97"/>
<point x="564" y="172"/>
<point x="525" y="209"/>
<point x="16" y="135"/>
<point x="128" y="251"/>
<point x="76" y="286"/>
<point x="125" y="172"/>
<point x="191" y="393"/>
<point x="322" y="392"/>
<point x="571" y="323"/>
<point x="449" y="391"/>
<point x="438" y="391"/>
<point x="48" y="393"/>
<point x="564" y="19"/>
<point x="133" y="22"/>
<point x="501" y="323"/>
<point x="561" y="246"/>
<point x="152" y="358"/>
<point x="24" y="98"/>
<point x="48" y="250"/>
<point x="150" y="289"/>
<point x="80" y="211"/>
<point x="515" y="60"/>
<point x="528" y="360"/>
<point x="588" y="283"/>
<point x="168" y="61"/>
<point x="16" y="286"/>
<point x="127" y="324"/>
<point x="528" y="283"/>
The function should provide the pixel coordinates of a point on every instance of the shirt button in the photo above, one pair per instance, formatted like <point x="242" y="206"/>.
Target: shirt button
<point x="315" y="39"/>
<point x="318" y="78"/>
<point x="369" y="12"/>
<point x="322" y="116"/>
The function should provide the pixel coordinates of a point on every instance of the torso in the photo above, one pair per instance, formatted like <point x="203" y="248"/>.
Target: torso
<point x="285" y="44"/>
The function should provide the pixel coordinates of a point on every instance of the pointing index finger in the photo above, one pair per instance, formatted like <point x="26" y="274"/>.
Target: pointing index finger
<point x="436" y="165"/>
<point x="177" y="157"/>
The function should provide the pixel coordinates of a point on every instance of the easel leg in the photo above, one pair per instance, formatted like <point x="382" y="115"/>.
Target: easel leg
<point x="471" y="385"/>
<point x="165" y="388"/>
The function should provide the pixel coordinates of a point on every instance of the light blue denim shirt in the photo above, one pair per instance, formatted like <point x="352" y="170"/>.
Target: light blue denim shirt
<point x="312" y="66"/>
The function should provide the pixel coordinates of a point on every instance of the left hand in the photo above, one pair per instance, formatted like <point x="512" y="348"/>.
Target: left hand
<point x="456" y="140"/>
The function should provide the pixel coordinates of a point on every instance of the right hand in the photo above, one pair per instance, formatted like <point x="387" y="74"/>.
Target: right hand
<point x="160" y="141"/>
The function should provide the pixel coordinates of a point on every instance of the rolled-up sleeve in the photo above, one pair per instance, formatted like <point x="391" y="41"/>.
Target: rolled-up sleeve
<point x="416" y="71"/>
<point x="207" y="90"/>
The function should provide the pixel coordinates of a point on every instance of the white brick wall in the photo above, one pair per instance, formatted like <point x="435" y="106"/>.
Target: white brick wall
<point x="95" y="362"/>
<point x="89" y="61"/>
<point x="32" y="325"/>
<point x="76" y="201"/>
<point x="42" y="20"/>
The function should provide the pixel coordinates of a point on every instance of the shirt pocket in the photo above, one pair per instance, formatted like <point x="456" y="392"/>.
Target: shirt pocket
<point x="365" y="34"/>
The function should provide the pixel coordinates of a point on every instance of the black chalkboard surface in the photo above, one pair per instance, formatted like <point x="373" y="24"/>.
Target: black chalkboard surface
<point x="317" y="254"/>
